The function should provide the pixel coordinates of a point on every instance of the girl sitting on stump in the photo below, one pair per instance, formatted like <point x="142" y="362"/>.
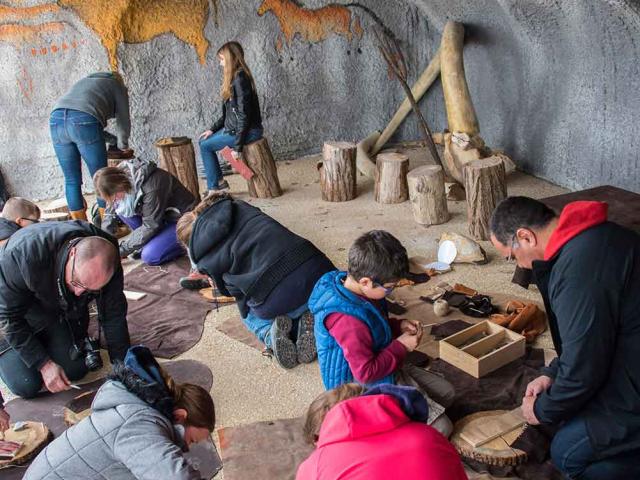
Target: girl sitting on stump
<point x="240" y="122"/>
<point x="270" y="271"/>
<point x="150" y="201"/>
<point x="141" y="424"/>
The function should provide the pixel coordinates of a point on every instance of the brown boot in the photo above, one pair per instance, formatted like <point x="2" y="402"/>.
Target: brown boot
<point x="79" y="215"/>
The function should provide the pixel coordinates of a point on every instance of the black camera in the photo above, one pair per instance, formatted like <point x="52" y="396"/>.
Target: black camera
<point x="90" y="348"/>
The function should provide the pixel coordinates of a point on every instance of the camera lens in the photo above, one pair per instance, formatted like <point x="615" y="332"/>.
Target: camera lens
<point x="92" y="358"/>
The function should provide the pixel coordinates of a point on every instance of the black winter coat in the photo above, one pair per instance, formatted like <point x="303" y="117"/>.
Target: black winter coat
<point x="241" y="112"/>
<point x="7" y="228"/>
<point x="591" y="291"/>
<point x="245" y="251"/>
<point x="34" y="295"/>
<point x="160" y="197"/>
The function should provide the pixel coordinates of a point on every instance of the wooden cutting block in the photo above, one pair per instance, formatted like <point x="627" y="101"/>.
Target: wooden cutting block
<point x="494" y="452"/>
<point x="34" y="437"/>
<point x="483" y="431"/>
<point x="219" y="298"/>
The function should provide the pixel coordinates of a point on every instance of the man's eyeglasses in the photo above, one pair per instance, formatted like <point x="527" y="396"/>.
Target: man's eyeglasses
<point x="32" y="220"/>
<point x="514" y="244"/>
<point x="78" y="284"/>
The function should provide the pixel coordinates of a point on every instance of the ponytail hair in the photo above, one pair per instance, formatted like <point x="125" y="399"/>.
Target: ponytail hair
<point x="194" y="399"/>
<point x="184" y="227"/>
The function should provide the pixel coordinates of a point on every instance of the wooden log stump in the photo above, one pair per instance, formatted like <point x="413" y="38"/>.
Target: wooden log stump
<point x="338" y="171"/>
<point x="426" y="191"/>
<point x="177" y="157"/>
<point x="264" y="183"/>
<point x="391" y="178"/>
<point x="485" y="187"/>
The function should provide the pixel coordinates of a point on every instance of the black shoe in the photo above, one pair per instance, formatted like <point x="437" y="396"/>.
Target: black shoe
<point x="306" y="341"/>
<point x="283" y="347"/>
<point x="194" y="281"/>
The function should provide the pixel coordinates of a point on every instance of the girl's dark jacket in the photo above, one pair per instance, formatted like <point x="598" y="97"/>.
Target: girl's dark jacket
<point x="241" y="112"/>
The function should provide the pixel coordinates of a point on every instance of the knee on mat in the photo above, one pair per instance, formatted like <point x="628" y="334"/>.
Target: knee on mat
<point x="26" y="389"/>
<point x="152" y="258"/>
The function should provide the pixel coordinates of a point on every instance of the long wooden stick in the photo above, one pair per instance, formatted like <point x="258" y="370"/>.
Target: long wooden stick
<point x="395" y="59"/>
<point x="460" y="112"/>
<point x="430" y="74"/>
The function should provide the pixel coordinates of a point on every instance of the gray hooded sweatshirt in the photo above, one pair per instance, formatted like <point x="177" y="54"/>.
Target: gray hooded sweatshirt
<point x="102" y="96"/>
<point x="124" y="438"/>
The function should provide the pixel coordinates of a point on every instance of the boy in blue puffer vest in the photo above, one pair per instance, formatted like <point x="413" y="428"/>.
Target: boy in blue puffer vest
<point x="356" y="340"/>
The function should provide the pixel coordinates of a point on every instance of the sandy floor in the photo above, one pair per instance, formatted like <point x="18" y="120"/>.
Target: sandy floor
<point x="249" y="387"/>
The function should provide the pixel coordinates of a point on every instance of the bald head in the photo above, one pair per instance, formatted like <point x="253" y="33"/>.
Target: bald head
<point x="92" y="262"/>
<point x="21" y="211"/>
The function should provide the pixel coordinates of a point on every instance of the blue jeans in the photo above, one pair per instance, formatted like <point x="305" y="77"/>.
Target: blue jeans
<point x="572" y="453"/>
<point x="77" y="135"/>
<point x="216" y="142"/>
<point x="261" y="327"/>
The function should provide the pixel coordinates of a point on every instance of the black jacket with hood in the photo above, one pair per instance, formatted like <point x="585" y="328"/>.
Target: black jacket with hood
<point x="241" y="112"/>
<point x="159" y="198"/>
<point x="34" y="294"/>
<point x="245" y="251"/>
<point x="590" y="284"/>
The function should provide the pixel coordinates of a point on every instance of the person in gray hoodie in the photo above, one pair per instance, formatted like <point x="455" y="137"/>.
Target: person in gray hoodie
<point x="77" y="126"/>
<point x="141" y="424"/>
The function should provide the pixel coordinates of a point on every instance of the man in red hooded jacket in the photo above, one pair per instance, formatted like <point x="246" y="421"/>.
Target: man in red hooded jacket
<point x="588" y="273"/>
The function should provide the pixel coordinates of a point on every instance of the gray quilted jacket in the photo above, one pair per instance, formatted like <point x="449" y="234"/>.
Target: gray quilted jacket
<point x="124" y="438"/>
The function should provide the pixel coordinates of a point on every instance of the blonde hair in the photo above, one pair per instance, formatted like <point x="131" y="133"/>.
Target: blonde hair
<point x="194" y="399"/>
<point x="110" y="180"/>
<point x="322" y="404"/>
<point x="18" y="207"/>
<point x="184" y="227"/>
<point x="233" y="55"/>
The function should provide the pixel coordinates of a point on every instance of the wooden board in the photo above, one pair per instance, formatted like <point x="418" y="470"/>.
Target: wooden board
<point x="495" y="452"/>
<point x="208" y="294"/>
<point x="483" y="431"/>
<point x="134" y="295"/>
<point x="34" y="437"/>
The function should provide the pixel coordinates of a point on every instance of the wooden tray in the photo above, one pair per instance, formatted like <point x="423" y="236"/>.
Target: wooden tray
<point x="496" y="452"/>
<point x="34" y="437"/>
<point x="482" y="348"/>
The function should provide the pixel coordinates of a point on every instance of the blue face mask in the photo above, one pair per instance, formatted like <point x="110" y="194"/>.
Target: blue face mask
<point x="127" y="206"/>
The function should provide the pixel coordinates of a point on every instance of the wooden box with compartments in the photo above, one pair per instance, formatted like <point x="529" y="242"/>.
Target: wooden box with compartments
<point x="482" y="348"/>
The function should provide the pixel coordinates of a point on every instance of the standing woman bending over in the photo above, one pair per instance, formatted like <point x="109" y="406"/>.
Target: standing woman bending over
<point x="240" y="122"/>
<point x="150" y="201"/>
<point x="77" y="126"/>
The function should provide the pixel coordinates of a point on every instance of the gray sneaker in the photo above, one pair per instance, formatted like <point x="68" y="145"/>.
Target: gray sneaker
<point x="306" y="341"/>
<point x="283" y="347"/>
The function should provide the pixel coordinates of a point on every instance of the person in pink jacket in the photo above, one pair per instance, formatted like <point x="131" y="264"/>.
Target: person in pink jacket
<point x="376" y="433"/>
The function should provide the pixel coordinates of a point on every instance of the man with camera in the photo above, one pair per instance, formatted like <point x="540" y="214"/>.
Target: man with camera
<point x="49" y="274"/>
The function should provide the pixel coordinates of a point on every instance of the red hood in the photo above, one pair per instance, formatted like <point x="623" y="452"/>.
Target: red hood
<point x="576" y="217"/>
<point x="361" y="417"/>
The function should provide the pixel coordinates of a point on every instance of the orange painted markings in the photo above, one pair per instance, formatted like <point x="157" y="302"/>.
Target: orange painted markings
<point x="21" y="13"/>
<point x="18" y="35"/>
<point x="54" y="48"/>
<point x="25" y="83"/>
<point x="312" y="25"/>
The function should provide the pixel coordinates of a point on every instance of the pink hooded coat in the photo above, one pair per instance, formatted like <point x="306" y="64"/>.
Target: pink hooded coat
<point x="371" y="437"/>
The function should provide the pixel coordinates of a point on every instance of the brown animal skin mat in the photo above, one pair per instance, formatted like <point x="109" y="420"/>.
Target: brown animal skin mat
<point x="269" y="450"/>
<point x="502" y="389"/>
<point x="169" y="319"/>
<point x="235" y="329"/>
<point x="48" y="409"/>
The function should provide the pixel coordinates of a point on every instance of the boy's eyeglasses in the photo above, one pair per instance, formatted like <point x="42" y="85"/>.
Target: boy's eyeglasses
<point x="387" y="290"/>
<point x="32" y="220"/>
